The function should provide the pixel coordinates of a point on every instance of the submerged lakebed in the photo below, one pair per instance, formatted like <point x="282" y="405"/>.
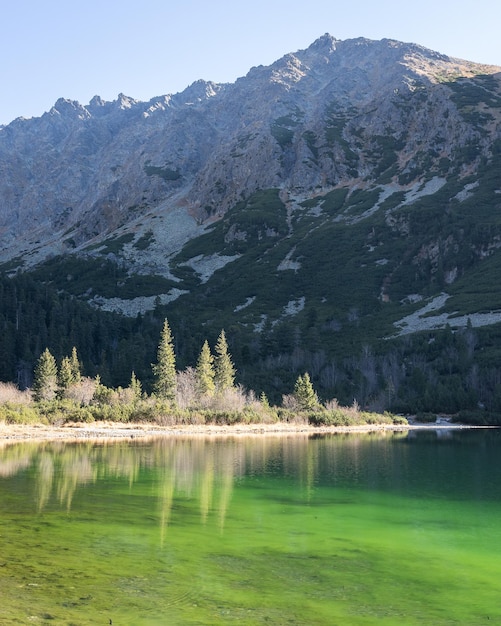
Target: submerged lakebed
<point x="386" y="527"/>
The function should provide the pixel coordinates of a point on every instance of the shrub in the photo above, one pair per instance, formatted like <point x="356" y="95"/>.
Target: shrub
<point x="166" y="416"/>
<point x="11" y="413"/>
<point x="80" y="415"/>
<point x="104" y="395"/>
<point x="223" y="417"/>
<point x="261" y="413"/>
<point x="186" y="389"/>
<point x="111" y="412"/>
<point x="9" y="393"/>
<point x="399" y="419"/>
<point x="335" y="417"/>
<point x="375" y="418"/>
<point x="82" y="392"/>
<point x="143" y="411"/>
<point x="292" y="416"/>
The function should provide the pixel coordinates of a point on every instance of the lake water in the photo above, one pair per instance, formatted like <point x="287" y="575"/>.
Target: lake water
<point x="395" y="528"/>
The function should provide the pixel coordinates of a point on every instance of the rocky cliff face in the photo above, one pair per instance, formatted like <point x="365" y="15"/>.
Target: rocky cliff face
<point x="338" y="113"/>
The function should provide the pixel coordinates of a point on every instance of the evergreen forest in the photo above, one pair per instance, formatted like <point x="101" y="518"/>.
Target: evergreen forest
<point x="455" y="373"/>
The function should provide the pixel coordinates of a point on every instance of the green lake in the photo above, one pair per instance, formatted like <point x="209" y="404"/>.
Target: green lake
<point x="395" y="528"/>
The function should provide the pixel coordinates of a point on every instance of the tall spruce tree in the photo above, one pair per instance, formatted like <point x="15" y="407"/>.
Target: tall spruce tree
<point x="304" y="393"/>
<point x="204" y="372"/>
<point x="164" y="369"/>
<point x="75" y="366"/>
<point x="65" y="376"/>
<point x="69" y="373"/>
<point x="224" y="370"/>
<point x="45" y="377"/>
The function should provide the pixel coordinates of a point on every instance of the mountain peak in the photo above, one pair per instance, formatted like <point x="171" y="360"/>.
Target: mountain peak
<point x="125" y="102"/>
<point x="69" y="108"/>
<point x="325" y="43"/>
<point x="97" y="101"/>
<point x="199" y="91"/>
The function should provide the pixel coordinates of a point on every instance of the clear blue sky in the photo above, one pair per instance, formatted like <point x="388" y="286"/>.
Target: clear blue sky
<point x="59" y="48"/>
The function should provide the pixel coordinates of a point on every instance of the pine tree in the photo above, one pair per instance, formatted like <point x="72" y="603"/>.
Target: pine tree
<point x="45" y="377"/>
<point x="204" y="372"/>
<point x="164" y="369"/>
<point x="69" y="373"/>
<point x="223" y="367"/>
<point x="263" y="399"/>
<point x="65" y="376"/>
<point x="75" y="366"/>
<point x="304" y="393"/>
<point x="135" y="386"/>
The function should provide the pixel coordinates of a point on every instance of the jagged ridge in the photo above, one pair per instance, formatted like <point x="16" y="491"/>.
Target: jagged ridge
<point x="312" y="121"/>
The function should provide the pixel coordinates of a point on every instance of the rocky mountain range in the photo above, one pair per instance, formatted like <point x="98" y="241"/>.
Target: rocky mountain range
<point x="331" y="116"/>
<point x="351" y="188"/>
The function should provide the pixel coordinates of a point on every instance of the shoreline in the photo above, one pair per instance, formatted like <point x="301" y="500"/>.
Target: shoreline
<point x="118" y="431"/>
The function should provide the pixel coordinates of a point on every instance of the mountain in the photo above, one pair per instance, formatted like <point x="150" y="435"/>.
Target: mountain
<point x="334" y="211"/>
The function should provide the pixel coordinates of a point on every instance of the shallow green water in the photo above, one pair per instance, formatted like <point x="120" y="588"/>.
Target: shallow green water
<point x="348" y="530"/>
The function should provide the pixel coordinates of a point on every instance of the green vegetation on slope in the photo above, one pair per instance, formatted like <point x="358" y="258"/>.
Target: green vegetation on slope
<point x="314" y="289"/>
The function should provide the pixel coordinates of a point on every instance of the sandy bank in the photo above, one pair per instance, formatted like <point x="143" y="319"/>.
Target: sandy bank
<point x="110" y="430"/>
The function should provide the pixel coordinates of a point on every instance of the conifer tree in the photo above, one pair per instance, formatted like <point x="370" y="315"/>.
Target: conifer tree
<point x="69" y="373"/>
<point x="75" y="366"/>
<point x="135" y="386"/>
<point x="204" y="371"/>
<point x="224" y="369"/>
<point x="263" y="399"/>
<point x="45" y="377"/>
<point x="164" y="369"/>
<point x="304" y="393"/>
<point x="65" y="376"/>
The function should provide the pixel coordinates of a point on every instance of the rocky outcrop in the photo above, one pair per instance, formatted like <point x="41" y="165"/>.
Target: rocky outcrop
<point x="340" y="113"/>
